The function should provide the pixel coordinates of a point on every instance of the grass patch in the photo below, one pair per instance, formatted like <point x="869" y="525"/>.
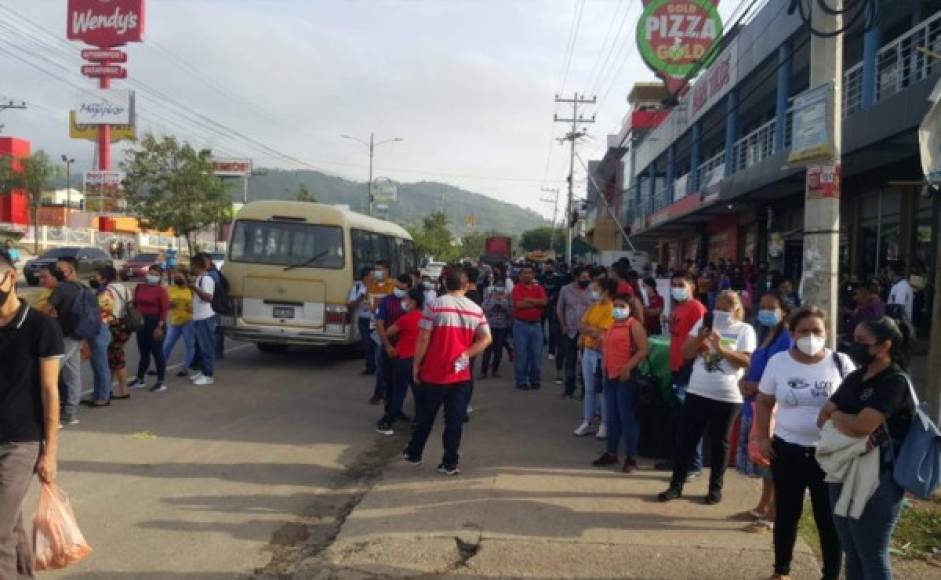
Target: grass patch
<point x="917" y="535"/>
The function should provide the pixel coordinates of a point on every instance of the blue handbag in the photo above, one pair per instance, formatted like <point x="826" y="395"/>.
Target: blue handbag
<point x="918" y="461"/>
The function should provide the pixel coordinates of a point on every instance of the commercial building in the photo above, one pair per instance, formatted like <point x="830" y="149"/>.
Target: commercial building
<point x="712" y="181"/>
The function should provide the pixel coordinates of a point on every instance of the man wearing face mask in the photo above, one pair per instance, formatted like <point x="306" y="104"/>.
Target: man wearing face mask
<point x="31" y="348"/>
<point x="62" y="303"/>
<point x="377" y="289"/>
<point x="574" y="300"/>
<point x="390" y="310"/>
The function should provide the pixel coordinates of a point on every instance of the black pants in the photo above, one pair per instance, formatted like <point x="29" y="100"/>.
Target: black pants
<point x="554" y="336"/>
<point x="494" y="352"/>
<point x="429" y="399"/>
<point x="795" y="469"/>
<point x="568" y="354"/>
<point x="698" y="414"/>
<point x="149" y="347"/>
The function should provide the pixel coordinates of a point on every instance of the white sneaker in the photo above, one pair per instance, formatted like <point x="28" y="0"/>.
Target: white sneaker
<point x="551" y="356"/>
<point x="195" y="375"/>
<point x="602" y="432"/>
<point x="203" y="380"/>
<point x="584" y="429"/>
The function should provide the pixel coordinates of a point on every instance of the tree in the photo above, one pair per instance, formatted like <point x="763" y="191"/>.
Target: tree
<point x="433" y="238"/>
<point x="303" y="194"/>
<point x="32" y="175"/>
<point x="539" y="239"/>
<point x="171" y="186"/>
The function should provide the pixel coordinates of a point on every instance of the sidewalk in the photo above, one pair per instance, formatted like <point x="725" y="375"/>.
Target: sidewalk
<point x="529" y="504"/>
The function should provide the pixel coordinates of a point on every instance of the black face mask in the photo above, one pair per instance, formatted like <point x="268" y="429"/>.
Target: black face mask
<point x="95" y="284"/>
<point x="584" y="283"/>
<point x="859" y="352"/>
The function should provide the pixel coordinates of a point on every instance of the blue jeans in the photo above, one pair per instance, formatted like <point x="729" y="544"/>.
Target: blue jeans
<point x="527" y="341"/>
<point x="593" y="401"/>
<point x="866" y="541"/>
<point x="369" y="347"/>
<point x="429" y="399"/>
<point x="99" y="363"/>
<point x="205" y="331"/>
<point x="174" y="333"/>
<point x="385" y="372"/>
<point x="621" y="399"/>
<point x="398" y="389"/>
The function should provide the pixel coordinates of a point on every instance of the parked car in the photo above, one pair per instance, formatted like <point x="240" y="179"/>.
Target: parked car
<point x="136" y="267"/>
<point x="88" y="260"/>
<point x="218" y="258"/>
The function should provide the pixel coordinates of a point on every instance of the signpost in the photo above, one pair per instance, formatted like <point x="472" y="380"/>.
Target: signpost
<point x="675" y="37"/>
<point x="811" y="134"/>
<point x="223" y="168"/>
<point x="90" y="132"/>
<point x="113" y="71"/>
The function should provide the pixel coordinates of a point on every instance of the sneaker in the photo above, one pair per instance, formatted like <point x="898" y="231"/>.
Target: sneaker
<point x="448" y="470"/>
<point x="204" y="381"/>
<point x="630" y="466"/>
<point x="602" y="432"/>
<point x="195" y="375"/>
<point x="551" y="356"/>
<point x="557" y="381"/>
<point x="137" y="383"/>
<point x="470" y="410"/>
<point x="68" y="422"/>
<point x="158" y="388"/>
<point x="406" y="458"/>
<point x="693" y="475"/>
<point x="182" y="373"/>
<point x="714" y="496"/>
<point x="670" y="494"/>
<point x="384" y="428"/>
<point x="584" y="429"/>
<point x="605" y="460"/>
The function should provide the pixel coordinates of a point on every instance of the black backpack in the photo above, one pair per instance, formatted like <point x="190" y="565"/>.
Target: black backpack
<point x="221" y="302"/>
<point x="83" y="319"/>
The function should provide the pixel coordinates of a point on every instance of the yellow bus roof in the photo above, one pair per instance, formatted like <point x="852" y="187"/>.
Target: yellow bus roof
<point x="320" y="213"/>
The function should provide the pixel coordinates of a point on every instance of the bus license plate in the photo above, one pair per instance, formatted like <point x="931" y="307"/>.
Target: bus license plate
<point x="283" y="312"/>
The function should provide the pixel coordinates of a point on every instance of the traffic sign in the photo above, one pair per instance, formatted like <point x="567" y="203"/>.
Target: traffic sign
<point x="104" y="55"/>
<point x="104" y="70"/>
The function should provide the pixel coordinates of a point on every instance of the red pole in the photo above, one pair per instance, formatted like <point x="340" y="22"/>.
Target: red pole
<point x="104" y="135"/>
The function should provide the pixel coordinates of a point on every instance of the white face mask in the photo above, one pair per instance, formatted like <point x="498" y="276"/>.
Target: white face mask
<point x="399" y="293"/>
<point x="595" y="295"/>
<point x="621" y="313"/>
<point x="153" y="279"/>
<point x="679" y="294"/>
<point x="811" y="345"/>
<point x="721" y="319"/>
<point x="406" y="306"/>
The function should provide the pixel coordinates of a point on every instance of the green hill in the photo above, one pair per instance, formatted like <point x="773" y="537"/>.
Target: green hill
<point x="415" y="200"/>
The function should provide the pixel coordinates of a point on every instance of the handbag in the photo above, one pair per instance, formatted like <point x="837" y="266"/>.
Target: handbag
<point x="917" y="466"/>
<point x="647" y="384"/>
<point x="133" y="320"/>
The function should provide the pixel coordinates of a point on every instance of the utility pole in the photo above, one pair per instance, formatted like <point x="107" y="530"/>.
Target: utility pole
<point x="822" y="213"/>
<point x="68" y="182"/>
<point x="555" y="212"/>
<point x="11" y="105"/>
<point x="572" y="137"/>
<point x="372" y="150"/>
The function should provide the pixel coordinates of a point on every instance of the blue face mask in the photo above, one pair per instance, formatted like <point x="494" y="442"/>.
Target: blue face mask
<point x="769" y="317"/>
<point x="621" y="313"/>
<point x="399" y="293"/>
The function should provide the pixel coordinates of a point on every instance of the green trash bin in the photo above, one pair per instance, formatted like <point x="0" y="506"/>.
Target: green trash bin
<point x="656" y="419"/>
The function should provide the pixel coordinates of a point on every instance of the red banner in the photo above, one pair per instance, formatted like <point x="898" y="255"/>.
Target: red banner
<point x="101" y="55"/>
<point x="105" y="23"/>
<point x="104" y="70"/>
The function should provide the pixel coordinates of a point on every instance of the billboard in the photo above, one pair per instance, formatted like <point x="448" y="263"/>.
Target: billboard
<point x="105" y="23"/>
<point x="105" y="107"/>
<point x="103" y="180"/>
<point x="674" y="36"/>
<point x="384" y="190"/>
<point x="90" y="132"/>
<point x="231" y="167"/>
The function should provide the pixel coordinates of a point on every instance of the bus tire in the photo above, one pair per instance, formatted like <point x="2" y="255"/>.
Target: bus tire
<point x="272" y="348"/>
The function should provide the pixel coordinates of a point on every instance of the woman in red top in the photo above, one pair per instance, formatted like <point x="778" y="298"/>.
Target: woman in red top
<point x="406" y="327"/>
<point x="654" y="307"/>
<point x="153" y="303"/>
<point x="623" y="347"/>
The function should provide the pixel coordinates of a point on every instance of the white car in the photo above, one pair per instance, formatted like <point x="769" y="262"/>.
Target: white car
<point x="433" y="270"/>
<point x="218" y="258"/>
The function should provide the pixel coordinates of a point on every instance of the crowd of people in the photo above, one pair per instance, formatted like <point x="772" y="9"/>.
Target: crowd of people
<point x="743" y="351"/>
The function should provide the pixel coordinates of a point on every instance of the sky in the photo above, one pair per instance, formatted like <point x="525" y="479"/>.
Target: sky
<point x="468" y="85"/>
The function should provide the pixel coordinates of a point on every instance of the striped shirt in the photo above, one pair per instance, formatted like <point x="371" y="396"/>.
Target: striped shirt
<point x="454" y="322"/>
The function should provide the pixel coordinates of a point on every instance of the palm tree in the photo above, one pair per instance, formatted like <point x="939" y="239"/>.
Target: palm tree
<point x="32" y="175"/>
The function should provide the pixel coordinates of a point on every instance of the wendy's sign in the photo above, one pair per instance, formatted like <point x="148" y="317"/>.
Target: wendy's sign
<point x="674" y="36"/>
<point x="105" y="23"/>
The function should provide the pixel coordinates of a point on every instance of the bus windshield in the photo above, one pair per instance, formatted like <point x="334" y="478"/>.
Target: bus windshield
<point x="287" y="244"/>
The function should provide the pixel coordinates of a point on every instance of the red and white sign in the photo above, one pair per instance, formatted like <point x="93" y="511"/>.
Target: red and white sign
<point x="112" y="71"/>
<point x="823" y="181"/>
<point x="105" y="23"/>
<point x="232" y="167"/>
<point x="103" y="179"/>
<point x="104" y="55"/>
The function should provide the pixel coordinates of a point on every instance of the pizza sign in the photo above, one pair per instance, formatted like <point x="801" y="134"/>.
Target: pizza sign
<point x="674" y="36"/>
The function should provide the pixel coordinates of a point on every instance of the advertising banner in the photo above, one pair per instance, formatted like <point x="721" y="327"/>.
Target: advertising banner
<point x="90" y="132"/>
<point x="674" y="36"/>
<point x="929" y="139"/>
<point x="811" y="134"/>
<point x="231" y="167"/>
<point x="105" y="107"/>
<point x="823" y="181"/>
<point x="105" y="23"/>
<point x="384" y="190"/>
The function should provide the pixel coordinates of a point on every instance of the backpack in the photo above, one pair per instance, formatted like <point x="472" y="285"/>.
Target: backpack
<point x="83" y="319"/>
<point x="918" y="461"/>
<point x="133" y="319"/>
<point x="221" y="302"/>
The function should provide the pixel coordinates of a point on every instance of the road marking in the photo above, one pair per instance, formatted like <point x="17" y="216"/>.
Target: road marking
<point x="178" y="365"/>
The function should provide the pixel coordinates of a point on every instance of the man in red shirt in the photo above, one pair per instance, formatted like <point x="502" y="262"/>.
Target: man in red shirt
<point x="453" y="330"/>
<point x="529" y="300"/>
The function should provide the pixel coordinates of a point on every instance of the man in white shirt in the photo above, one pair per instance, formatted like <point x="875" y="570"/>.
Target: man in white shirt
<point x="358" y="302"/>
<point x="901" y="294"/>
<point x="204" y="320"/>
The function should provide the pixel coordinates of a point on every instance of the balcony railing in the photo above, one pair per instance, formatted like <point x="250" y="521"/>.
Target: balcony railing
<point x="660" y="199"/>
<point x="853" y="89"/>
<point x="708" y="165"/>
<point x="752" y="148"/>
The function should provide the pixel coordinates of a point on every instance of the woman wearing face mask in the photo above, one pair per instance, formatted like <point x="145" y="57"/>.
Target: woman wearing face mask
<point x="153" y="303"/>
<point x="596" y="320"/>
<point x="120" y="297"/>
<point x="654" y="307"/>
<point x="874" y="401"/>
<point x="774" y="337"/>
<point x="406" y="328"/>
<point x="99" y="344"/>
<point x="180" y="319"/>
<point x="721" y="350"/>
<point x="623" y="347"/>
<point x="800" y="381"/>
<point x="498" y="309"/>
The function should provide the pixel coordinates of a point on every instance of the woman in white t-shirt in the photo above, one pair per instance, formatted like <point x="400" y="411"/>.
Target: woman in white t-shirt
<point x="722" y="350"/>
<point x="800" y="381"/>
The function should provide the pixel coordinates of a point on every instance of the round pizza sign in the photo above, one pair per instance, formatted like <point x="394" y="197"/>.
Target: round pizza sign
<point x="674" y="35"/>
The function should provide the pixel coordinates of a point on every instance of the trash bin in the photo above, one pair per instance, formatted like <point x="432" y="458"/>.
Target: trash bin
<point x="656" y="419"/>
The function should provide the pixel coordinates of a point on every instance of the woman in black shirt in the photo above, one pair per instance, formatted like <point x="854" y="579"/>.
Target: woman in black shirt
<point x="874" y="401"/>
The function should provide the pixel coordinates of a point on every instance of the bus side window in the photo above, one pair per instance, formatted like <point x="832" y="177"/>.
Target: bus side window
<point x="392" y="255"/>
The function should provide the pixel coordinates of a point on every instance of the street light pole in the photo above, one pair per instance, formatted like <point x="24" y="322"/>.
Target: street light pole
<point x="68" y="182"/>
<point x="372" y="145"/>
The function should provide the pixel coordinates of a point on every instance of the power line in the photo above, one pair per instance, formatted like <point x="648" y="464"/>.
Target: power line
<point x="602" y="71"/>
<point x="572" y="137"/>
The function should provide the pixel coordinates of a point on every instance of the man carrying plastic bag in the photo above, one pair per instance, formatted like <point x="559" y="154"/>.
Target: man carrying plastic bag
<point x="30" y="349"/>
